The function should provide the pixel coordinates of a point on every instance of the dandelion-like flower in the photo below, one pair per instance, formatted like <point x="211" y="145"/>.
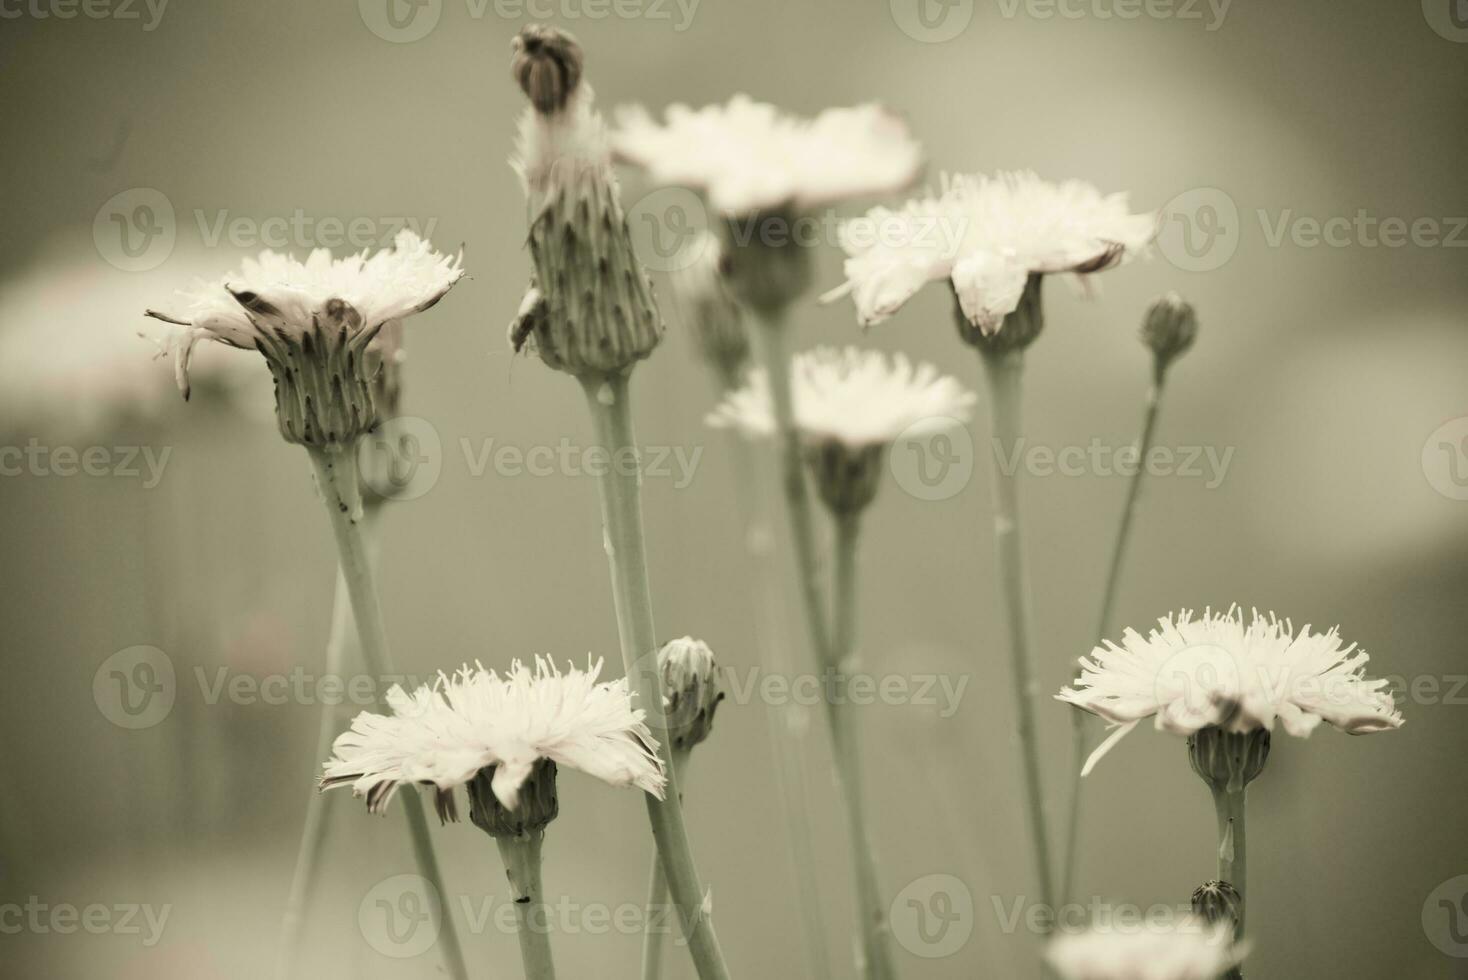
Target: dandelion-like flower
<point x="1219" y="672"/>
<point x="849" y="406"/>
<point x="991" y="237"/>
<point x="748" y="156"/>
<point x="503" y="729"/>
<point x="313" y="322"/>
<point x="856" y="397"/>
<point x="1187" y="951"/>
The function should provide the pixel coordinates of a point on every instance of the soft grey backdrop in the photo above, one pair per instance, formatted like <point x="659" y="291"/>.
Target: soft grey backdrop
<point x="1325" y="368"/>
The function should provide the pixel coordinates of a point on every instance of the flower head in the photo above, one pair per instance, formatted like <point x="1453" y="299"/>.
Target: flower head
<point x="749" y="156"/>
<point x="480" y="722"/>
<point x="858" y="398"/>
<point x="1188" y="951"/>
<point x="1219" y="672"/>
<point x="314" y="322"/>
<point x="988" y="236"/>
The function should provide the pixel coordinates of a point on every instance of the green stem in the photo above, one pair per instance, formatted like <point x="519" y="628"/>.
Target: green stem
<point x="1005" y="370"/>
<point x="521" y="856"/>
<point x="871" y="911"/>
<point x="1080" y="720"/>
<point x="788" y="724"/>
<point x="308" y="857"/>
<point x="1232" y="846"/>
<point x="621" y="497"/>
<point x="657" y="896"/>
<point x="792" y="482"/>
<point x="871" y="908"/>
<point x="339" y="482"/>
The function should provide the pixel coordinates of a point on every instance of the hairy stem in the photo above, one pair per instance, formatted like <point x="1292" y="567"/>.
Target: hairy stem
<point x="1232" y="845"/>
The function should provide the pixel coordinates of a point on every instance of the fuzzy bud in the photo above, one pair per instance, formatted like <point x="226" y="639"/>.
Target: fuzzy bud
<point x="1169" y="329"/>
<point x="546" y="64"/>
<point x="691" y="691"/>
<point x="846" y="477"/>
<point x="1228" y="761"/>
<point x="1017" y="330"/>
<point x="537" y="807"/>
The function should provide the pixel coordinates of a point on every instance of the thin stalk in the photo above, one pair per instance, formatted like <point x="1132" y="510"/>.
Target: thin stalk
<point x="871" y="907"/>
<point x="871" y="911"/>
<point x="1005" y="371"/>
<point x="657" y="895"/>
<point x="337" y="477"/>
<point x="788" y="724"/>
<point x="521" y="856"/>
<point x="792" y="482"/>
<point x="308" y="857"/>
<point x="1080" y="720"/>
<point x="1232" y="846"/>
<point x="621" y="498"/>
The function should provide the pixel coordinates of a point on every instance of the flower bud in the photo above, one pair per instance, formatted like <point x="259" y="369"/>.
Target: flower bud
<point x="537" y="805"/>
<point x="847" y="477"/>
<point x="691" y="691"/>
<point x="1228" y="761"/>
<point x="1218" y="901"/>
<point x="599" y="317"/>
<point x="1016" y="331"/>
<point x="546" y="64"/>
<point x="1169" y="329"/>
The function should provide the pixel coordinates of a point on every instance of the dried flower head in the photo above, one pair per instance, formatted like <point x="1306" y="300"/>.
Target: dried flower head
<point x="478" y="723"/>
<point x="1219" y="672"/>
<point x="988" y="236"/>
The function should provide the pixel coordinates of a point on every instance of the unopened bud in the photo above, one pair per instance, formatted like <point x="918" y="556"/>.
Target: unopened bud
<point x="1218" y="902"/>
<point x="546" y="64"/>
<point x="1169" y="328"/>
<point x="691" y="691"/>
<point x="847" y="477"/>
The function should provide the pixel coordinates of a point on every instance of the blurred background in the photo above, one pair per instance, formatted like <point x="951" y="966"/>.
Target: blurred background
<point x="1308" y="158"/>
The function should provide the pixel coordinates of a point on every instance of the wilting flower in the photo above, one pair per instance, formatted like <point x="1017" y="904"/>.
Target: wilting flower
<point x="276" y="300"/>
<point x="590" y="309"/>
<point x="1218" y="672"/>
<point x="749" y="156"/>
<point x="988" y="236"/>
<point x="1187" y="951"/>
<point x="479" y="723"/>
<point x="849" y="406"/>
